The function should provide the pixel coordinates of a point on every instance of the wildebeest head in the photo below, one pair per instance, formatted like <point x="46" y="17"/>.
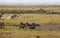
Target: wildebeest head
<point x="27" y="24"/>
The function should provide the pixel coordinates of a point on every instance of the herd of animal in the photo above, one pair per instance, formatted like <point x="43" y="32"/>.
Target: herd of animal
<point x="9" y="17"/>
<point x="22" y="25"/>
<point x="33" y="26"/>
<point x="29" y="26"/>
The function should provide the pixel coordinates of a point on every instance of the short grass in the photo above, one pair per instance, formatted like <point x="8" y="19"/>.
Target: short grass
<point x="37" y="18"/>
<point x="15" y="32"/>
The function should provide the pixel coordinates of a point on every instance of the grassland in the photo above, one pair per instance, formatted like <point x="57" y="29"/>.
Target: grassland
<point x="12" y="31"/>
<point x="37" y="18"/>
<point x="15" y="32"/>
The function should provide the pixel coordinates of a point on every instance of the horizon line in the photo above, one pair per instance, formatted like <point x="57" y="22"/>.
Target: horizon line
<point x="50" y="3"/>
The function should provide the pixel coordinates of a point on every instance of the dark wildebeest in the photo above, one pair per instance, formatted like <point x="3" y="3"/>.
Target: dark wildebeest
<point x="14" y="16"/>
<point x="32" y="26"/>
<point x="2" y="25"/>
<point x="29" y="26"/>
<point x="38" y="25"/>
<point x="22" y="25"/>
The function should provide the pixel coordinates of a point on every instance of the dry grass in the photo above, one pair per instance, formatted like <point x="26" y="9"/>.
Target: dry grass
<point x="15" y="32"/>
<point x="37" y="18"/>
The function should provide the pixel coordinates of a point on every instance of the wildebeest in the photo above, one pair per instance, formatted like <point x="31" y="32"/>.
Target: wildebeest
<point x="28" y="26"/>
<point x="14" y="16"/>
<point x="38" y="25"/>
<point x="2" y="25"/>
<point x="32" y="26"/>
<point x="22" y="25"/>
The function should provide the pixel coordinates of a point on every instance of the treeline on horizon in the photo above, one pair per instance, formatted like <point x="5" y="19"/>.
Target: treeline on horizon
<point x="41" y="11"/>
<point x="18" y="10"/>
